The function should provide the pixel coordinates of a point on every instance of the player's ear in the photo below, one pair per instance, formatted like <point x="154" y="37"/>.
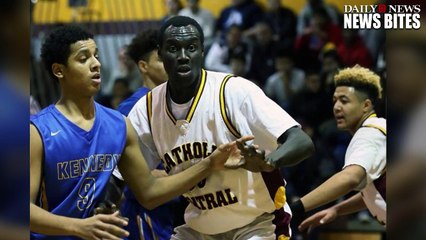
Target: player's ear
<point x="143" y="66"/>
<point x="57" y="70"/>
<point x="368" y="105"/>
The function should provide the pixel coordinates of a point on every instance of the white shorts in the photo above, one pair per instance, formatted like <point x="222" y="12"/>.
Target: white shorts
<point x="261" y="228"/>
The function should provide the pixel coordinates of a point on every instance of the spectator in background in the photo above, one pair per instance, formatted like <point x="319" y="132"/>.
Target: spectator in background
<point x="283" y="22"/>
<point x="321" y="31"/>
<point x="352" y="50"/>
<point x="330" y="65"/>
<point x="218" y="57"/>
<point x="307" y="13"/>
<point x="173" y="7"/>
<point x="312" y="105"/>
<point x="286" y="81"/>
<point x="263" y="55"/>
<point x="126" y="69"/>
<point x="243" y="13"/>
<point x="120" y="91"/>
<point x="203" y="16"/>
<point x="238" y="65"/>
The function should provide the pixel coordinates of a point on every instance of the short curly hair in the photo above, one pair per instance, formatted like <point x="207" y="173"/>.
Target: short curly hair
<point x="142" y="45"/>
<point x="57" y="46"/>
<point x="362" y="79"/>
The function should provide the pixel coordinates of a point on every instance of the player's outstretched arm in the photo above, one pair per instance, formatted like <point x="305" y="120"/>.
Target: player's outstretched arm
<point x="44" y="222"/>
<point x="335" y="187"/>
<point x="351" y="205"/>
<point x="151" y="191"/>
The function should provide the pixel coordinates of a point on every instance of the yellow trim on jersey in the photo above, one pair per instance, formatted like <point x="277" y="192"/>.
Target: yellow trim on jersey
<point x="148" y="221"/>
<point x="149" y="108"/>
<point x="225" y="117"/>
<point x="170" y="114"/>
<point x="376" y="127"/>
<point x="197" y="97"/>
<point x="283" y="237"/>
<point x="195" y="102"/>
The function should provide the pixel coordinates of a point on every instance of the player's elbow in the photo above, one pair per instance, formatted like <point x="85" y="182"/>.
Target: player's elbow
<point x="148" y="201"/>
<point x="307" y="146"/>
<point x="353" y="176"/>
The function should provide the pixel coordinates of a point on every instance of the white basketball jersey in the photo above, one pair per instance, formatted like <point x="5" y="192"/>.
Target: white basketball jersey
<point x="224" y="108"/>
<point x="368" y="150"/>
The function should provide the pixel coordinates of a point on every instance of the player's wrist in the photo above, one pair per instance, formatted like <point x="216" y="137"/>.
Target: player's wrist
<point x="297" y="207"/>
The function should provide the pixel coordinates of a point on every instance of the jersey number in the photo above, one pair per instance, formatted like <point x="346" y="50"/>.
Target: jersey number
<point x="86" y="193"/>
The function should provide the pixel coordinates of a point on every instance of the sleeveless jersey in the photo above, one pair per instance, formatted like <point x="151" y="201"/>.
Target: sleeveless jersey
<point x="224" y="108"/>
<point x="77" y="163"/>
<point x="368" y="150"/>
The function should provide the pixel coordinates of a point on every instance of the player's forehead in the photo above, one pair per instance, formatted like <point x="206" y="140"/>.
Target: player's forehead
<point x="344" y="91"/>
<point x="181" y="33"/>
<point x="83" y="47"/>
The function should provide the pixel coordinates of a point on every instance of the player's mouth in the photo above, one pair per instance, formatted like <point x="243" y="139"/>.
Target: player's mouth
<point x="183" y="69"/>
<point x="339" y="119"/>
<point x="96" y="78"/>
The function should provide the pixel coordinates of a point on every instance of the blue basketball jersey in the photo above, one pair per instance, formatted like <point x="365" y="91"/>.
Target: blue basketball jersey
<point x="77" y="163"/>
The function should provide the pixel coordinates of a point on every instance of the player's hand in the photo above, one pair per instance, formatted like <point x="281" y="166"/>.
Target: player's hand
<point x="319" y="218"/>
<point x="254" y="159"/>
<point x="228" y="155"/>
<point x="105" y="207"/>
<point x="102" y="226"/>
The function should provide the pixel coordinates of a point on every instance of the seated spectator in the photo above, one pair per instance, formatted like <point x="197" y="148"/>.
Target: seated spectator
<point x="286" y="81"/>
<point x="218" y="57"/>
<point x="238" y="65"/>
<point x="330" y="65"/>
<point x="352" y="50"/>
<point x="203" y="16"/>
<point x="120" y="92"/>
<point x="321" y="31"/>
<point x="263" y="55"/>
<point x="306" y="14"/>
<point x="283" y="22"/>
<point x="173" y="7"/>
<point x="312" y="105"/>
<point x="243" y="13"/>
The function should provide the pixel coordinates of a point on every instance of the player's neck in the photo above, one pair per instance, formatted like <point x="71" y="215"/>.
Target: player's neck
<point x="74" y="107"/>
<point x="365" y="116"/>
<point x="182" y="95"/>
<point x="148" y="83"/>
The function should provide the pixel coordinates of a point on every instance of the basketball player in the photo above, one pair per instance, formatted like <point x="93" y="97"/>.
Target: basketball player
<point x="156" y="223"/>
<point x="197" y="110"/>
<point x="76" y="143"/>
<point x="357" y="91"/>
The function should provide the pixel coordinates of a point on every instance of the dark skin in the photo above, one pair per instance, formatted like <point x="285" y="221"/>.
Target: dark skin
<point x="182" y="53"/>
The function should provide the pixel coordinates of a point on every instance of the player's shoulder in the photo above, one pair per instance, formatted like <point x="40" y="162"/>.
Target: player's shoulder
<point x="373" y="124"/>
<point x="43" y="115"/>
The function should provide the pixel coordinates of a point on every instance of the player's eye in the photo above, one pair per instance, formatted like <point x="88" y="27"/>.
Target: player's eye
<point x="192" y="47"/>
<point x="82" y="59"/>
<point x="172" y="48"/>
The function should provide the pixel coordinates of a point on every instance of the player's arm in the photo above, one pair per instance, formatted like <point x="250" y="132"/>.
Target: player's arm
<point x="294" y="146"/>
<point x="151" y="191"/>
<point x="351" y="205"/>
<point x="44" y="222"/>
<point x="335" y="187"/>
